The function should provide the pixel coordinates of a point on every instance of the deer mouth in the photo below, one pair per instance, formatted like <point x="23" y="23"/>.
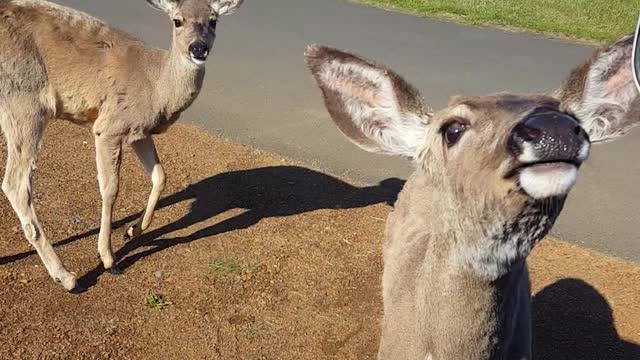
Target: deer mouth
<point x="543" y="166"/>
<point x="199" y="60"/>
<point x="548" y="178"/>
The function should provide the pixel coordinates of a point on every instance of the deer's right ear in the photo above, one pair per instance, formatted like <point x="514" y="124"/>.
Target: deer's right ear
<point x="372" y="106"/>
<point x="164" y="5"/>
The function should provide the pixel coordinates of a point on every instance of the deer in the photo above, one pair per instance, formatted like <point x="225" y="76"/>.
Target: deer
<point x="60" y="63"/>
<point x="492" y="174"/>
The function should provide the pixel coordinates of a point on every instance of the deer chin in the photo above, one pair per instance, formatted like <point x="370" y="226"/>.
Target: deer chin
<point x="549" y="179"/>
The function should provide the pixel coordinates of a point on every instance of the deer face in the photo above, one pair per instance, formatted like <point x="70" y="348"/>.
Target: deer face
<point x="488" y="148"/>
<point x="493" y="147"/>
<point x="195" y="23"/>
<point x="494" y="170"/>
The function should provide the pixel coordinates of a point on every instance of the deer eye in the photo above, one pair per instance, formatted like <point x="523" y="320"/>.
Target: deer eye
<point x="213" y="23"/>
<point x="453" y="130"/>
<point x="177" y="23"/>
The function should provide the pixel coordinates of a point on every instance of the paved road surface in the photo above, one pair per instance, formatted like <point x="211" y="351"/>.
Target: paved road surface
<point x="258" y="92"/>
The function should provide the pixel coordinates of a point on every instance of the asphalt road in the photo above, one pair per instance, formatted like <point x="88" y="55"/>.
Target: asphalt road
<point x="258" y="92"/>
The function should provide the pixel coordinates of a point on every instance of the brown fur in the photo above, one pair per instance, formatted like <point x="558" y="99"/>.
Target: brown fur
<point x="455" y="281"/>
<point x="57" y="62"/>
<point x="441" y="216"/>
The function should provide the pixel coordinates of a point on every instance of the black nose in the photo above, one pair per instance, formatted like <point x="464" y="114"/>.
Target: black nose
<point x="549" y="135"/>
<point x="199" y="50"/>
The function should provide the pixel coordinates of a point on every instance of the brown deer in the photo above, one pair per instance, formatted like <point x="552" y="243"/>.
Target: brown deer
<point x="57" y="62"/>
<point x="492" y="174"/>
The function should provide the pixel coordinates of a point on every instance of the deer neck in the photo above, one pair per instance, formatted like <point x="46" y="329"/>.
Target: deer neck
<point x="491" y="317"/>
<point x="467" y="260"/>
<point x="483" y="236"/>
<point x="179" y="83"/>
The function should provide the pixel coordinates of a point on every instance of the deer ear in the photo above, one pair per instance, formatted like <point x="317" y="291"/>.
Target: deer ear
<point x="373" y="106"/>
<point x="164" y="5"/>
<point x="225" y="7"/>
<point x="602" y="92"/>
<point x="636" y="55"/>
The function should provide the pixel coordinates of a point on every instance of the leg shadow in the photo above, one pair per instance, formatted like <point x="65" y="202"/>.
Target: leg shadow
<point x="13" y="258"/>
<point x="572" y="320"/>
<point x="277" y="191"/>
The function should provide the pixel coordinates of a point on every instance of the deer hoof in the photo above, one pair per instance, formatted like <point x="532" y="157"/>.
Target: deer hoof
<point x="78" y="289"/>
<point x="133" y="232"/>
<point x="114" y="270"/>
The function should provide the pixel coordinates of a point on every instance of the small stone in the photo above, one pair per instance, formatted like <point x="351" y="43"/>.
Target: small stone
<point x="236" y="320"/>
<point x="24" y="281"/>
<point x="158" y="274"/>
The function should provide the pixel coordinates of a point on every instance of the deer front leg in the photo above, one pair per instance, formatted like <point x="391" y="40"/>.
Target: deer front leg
<point x="146" y="151"/>
<point x="108" y="157"/>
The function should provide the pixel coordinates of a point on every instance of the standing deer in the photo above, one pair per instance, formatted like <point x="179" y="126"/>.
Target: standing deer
<point x="492" y="174"/>
<point x="57" y="62"/>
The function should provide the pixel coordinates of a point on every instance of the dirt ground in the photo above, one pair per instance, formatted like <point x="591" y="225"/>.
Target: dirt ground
<point x="256" y="258"/>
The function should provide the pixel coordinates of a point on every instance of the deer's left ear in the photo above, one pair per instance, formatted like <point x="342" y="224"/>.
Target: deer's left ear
<point x="225" y="7"/>
<point x="602" y="92"/>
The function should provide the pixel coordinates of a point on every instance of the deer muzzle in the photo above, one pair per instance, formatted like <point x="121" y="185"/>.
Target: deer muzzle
<point x="549" y="147"/>
<point x="199" y="51"/>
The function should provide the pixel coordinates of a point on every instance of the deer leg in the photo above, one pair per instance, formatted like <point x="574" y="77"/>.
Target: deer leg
<point x="23" y="137"/>
<point x="108" y="157"/>
<point x="146" y="151"/>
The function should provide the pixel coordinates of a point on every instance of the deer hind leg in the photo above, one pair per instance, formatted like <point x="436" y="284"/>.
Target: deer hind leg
<point x="23" y="133"/>
<point x="108" y="157"/>
<point x="146" y="151"/>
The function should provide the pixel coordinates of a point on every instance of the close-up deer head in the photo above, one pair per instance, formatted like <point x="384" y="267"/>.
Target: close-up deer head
<point x="492" y="175"/>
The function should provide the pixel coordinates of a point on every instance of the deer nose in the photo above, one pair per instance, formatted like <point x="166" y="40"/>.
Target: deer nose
<point x="548" y="135"/>
<point x="199" y="50"/>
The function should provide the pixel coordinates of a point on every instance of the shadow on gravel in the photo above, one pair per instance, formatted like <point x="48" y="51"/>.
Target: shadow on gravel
<point x="571" y="320"/>
<point x="263" y="193"/>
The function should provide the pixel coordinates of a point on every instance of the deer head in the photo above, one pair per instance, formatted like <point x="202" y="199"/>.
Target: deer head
<point x="496" y="167"/>
<point x="195" y="24"/>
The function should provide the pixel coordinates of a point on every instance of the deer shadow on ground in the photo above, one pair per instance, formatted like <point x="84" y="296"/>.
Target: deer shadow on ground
<point x="572" y="320"/>
<point x="263" y="193"/>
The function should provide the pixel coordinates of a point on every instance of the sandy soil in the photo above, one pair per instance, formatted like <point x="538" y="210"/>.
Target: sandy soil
<point x="307" y="246"/>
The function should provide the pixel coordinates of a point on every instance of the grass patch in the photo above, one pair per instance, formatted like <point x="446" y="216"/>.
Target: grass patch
<point x="231" y="267"/>
<point x="155" y="301"/>
<point x="599" y="20"/>
<point x="225" y="267"/>
<point x="259" y="330"/>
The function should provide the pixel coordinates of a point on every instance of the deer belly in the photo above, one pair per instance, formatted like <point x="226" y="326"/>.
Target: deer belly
<point x="85" y="116"/>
